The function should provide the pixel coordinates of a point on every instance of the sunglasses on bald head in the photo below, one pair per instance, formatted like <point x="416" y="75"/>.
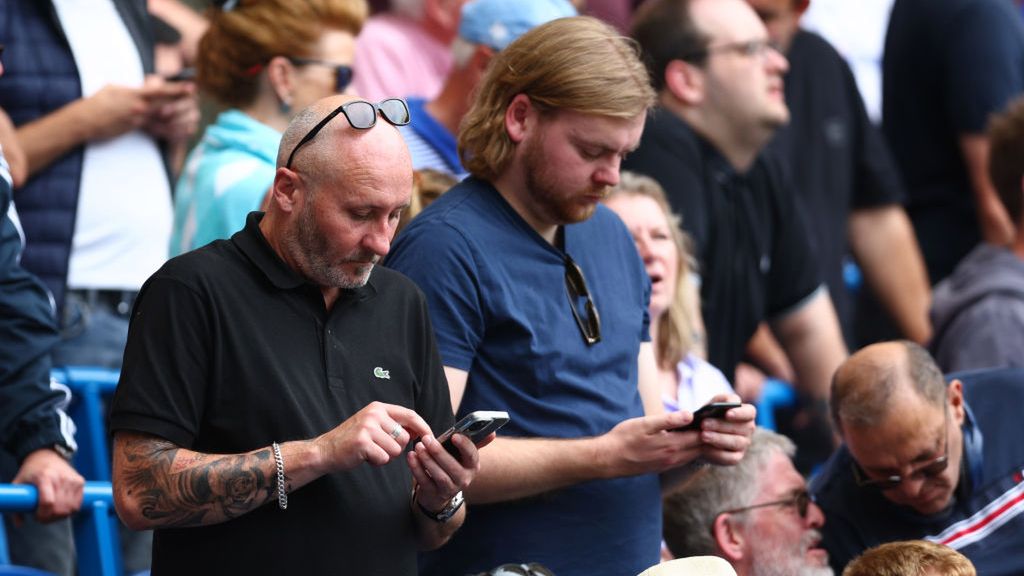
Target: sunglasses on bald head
<point x="361" y="115"/>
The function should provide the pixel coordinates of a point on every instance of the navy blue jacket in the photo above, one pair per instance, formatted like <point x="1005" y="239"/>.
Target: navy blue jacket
<point x="30" y="416"/>
<point x="985" y="522"/>
<point x="41" y="77"/>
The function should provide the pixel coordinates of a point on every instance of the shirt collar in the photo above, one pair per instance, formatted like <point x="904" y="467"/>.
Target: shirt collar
<point x="251" y="241"/>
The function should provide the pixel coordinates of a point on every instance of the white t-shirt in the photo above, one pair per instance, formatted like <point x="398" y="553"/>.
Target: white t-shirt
<point x="123" y="223"/>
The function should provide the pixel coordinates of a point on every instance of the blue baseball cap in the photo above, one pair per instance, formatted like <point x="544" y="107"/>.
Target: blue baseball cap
<point x="497" y="23"/>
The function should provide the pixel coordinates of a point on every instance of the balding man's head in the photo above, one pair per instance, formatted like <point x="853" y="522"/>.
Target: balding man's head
<point x="323" y="136"/>
<point x="338" y="192"/>
<point x="864" y="386"/>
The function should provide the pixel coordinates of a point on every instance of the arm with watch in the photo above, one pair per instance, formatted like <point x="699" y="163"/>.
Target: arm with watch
<point x="157" y="483"/>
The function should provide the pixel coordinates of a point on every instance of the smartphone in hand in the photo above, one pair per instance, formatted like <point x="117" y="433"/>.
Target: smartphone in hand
<point x="712" y="410"/>
<point x="476" y="426"/>
<point x="185" y="75"/>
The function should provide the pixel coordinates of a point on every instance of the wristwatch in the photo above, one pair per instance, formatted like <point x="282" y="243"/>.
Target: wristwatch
<point x="445" y="513"/>
<point x="63" y="450"/>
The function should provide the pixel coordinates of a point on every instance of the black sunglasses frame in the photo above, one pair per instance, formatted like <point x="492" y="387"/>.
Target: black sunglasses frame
<point x="576" y="288"/>
<point x="382" y="108"/>
<point x="343" y="73"/>
<point x="929" y="470"/>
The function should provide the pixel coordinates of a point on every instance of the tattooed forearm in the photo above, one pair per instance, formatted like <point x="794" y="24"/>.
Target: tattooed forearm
<point x="174" y="487"/>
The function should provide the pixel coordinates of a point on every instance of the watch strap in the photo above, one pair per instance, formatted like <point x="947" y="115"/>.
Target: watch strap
<point x="446" y="513"/>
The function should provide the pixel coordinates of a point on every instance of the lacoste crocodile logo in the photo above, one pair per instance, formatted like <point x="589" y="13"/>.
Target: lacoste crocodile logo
<point x="381" y="373"/>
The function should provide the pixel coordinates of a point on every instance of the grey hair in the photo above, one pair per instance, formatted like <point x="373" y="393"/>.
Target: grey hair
<point x="689" y="512"/>
<point x="863" y="388"/>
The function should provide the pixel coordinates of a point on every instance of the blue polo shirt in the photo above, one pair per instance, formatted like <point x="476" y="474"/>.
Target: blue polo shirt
<point x="497" y="298"/>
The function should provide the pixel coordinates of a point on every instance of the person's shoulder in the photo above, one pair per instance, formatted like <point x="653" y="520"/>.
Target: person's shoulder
<point x="210" y="260"/>
<point x="384" y="30"/>
<point x="1000" y="387"/>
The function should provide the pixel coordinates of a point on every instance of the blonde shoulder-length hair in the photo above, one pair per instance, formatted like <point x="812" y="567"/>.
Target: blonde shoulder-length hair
<point x="680" y="329"/>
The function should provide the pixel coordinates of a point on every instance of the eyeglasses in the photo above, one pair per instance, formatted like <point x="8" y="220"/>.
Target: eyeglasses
<point x="531" y="569"/>
<point x="361" y="115"/>
<point x="929" y="470"/>
<point x="576" y="289"/>
<point x="748" y="48"/>
<point x="801" y="500"/>
<point x="343" y="73"/>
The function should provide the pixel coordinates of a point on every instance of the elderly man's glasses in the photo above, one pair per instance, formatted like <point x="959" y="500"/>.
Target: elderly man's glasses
<point x="748" y="48"/>
<point x="579" y="299"/>
<point x="361" y="115"/>
<point x="531" y="569"/>
<point x="342" y="72"/>
<point x="800" y="500"/>
<point x="929" y="470"/>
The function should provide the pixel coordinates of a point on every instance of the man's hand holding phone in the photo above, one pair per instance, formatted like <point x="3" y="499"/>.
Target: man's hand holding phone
<point x="447" y="464"/>
<point x="725" y="426"/>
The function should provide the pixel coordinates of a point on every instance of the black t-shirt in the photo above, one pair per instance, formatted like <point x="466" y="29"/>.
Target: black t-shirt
<point x="229" y="351"/>
<point x="837" y="160"/>
<point x="752" y="245"/>
<point x="948" y="65"/>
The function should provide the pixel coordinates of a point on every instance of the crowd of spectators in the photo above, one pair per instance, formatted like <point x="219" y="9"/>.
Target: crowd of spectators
<point x="314" y="234"/>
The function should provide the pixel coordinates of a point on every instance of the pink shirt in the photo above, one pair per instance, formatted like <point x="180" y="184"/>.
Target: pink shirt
<point x="395" y="57"/>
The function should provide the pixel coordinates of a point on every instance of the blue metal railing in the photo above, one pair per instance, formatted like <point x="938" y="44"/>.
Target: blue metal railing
<point x="95" y="534"/>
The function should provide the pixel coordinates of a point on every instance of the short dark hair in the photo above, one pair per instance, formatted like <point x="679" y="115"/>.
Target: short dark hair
<point x="1006" y="159"/>
<point x="666" y="31"/>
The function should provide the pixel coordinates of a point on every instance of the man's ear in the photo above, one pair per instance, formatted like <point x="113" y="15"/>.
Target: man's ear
<point x="685" y="81"/>
<point x="729" y="538"/>
<point x="801" y="6"/>
<point x="281" y="78"/>
<point x="520" y="118"/>
<point x="284" y="193"/>
<point x="955" y="396"/>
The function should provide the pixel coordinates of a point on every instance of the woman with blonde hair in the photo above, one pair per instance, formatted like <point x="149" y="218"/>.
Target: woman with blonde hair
<point x="263" y="60"/>
<point x="686" y="380"/>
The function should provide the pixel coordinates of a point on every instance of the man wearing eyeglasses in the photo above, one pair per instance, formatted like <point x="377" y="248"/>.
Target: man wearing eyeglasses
<point x="757" y="515"/>
<point x="274" y="383"/>
<point x="540" y="300"/>
<point x="923" y="459"/>
<point x="721" y="100"/>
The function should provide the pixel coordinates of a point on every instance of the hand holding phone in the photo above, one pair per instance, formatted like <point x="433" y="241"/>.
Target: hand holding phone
<point x="476" y="426"/>
<point x="712" y="410"/>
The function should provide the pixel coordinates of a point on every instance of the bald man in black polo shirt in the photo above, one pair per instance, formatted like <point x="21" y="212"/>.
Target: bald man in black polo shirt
<point x="288" y="333"/>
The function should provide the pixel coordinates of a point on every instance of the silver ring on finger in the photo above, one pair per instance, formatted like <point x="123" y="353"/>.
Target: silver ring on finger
<point x="396" y="431"/>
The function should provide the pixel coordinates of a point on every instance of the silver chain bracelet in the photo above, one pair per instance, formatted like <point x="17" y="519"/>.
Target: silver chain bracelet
<point x="282" y="496"/>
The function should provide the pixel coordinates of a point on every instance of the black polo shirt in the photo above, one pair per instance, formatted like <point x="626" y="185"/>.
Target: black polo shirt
<point x="836" y="158"/>
<point x="752" y="245"/>
<point x="229" y="350"/>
